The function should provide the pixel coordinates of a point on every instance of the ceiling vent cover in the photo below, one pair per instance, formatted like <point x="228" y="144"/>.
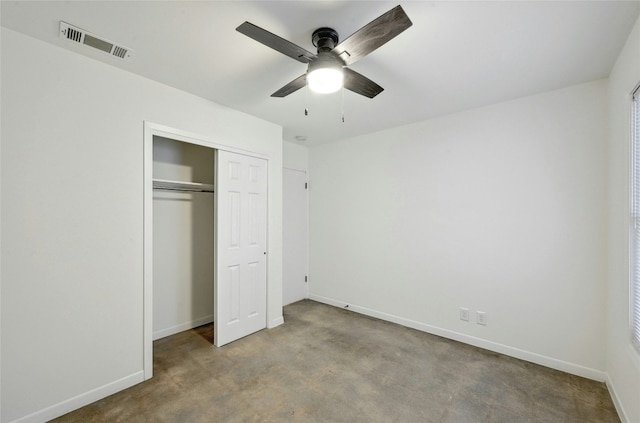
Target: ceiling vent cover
<point x="80" y="36"/>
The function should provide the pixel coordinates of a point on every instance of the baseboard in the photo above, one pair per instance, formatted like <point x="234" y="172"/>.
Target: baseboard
<point x="162" y="333"/>
<point x="81" y="400"/>
<point x="553" y="363"/>
<point x="182" y="327"/>
<point x="275" y="322"/>
<point x="616" y="401"/>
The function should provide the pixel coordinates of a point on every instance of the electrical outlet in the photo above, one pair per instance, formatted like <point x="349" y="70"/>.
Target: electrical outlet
<point x="464" y="314"/>
<point x="481" y="318"/>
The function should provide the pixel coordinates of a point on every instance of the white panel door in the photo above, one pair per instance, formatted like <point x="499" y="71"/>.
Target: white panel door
<point x="295" y="235"/>
<point x="240" y="251"/>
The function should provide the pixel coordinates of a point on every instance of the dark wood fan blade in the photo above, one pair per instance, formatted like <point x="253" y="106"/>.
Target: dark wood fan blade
<point x="277" y="43"/>
<point x="291" y="87"/>
<point x="373" y="35"/>
<point x="360" y="84"/>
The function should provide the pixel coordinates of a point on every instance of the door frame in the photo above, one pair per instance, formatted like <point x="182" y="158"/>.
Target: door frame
<point x="150" y="130"/>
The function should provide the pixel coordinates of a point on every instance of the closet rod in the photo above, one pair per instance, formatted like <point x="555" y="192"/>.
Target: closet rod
<point x="184" y="189"/>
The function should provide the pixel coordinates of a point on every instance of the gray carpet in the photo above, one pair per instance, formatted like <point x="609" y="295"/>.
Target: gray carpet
<point x="331" y="365"/>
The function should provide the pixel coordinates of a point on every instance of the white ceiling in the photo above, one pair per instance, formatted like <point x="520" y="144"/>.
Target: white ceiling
<point x="456" y="56"/>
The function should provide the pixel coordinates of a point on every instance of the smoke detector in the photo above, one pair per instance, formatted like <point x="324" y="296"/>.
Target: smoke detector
<point x="80" y="36"/>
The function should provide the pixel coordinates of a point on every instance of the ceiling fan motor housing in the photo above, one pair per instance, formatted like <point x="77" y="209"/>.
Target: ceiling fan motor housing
<point x="325" y="39"/>
<point x="326" y="59"/>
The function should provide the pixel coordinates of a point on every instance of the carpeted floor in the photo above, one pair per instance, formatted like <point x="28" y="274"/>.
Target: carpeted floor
<point x="331" y="365"/>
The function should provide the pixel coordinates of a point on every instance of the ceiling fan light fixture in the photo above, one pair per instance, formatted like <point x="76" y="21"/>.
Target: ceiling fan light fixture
<point x="329" y="70"/>
<point x="325" y="80"/>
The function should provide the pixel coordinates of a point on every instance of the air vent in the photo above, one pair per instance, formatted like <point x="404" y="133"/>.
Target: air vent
<point x="80" y="36"/>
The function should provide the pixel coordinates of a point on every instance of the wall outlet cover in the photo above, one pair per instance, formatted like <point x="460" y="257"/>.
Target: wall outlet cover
<point x="481" y="318"/>
<point x="464" y="314"/>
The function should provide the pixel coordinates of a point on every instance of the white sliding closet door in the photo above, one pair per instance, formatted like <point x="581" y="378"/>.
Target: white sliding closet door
<point x="241" y="236"/>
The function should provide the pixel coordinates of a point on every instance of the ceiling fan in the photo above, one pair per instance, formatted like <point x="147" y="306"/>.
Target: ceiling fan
<point x="327" y="70"/>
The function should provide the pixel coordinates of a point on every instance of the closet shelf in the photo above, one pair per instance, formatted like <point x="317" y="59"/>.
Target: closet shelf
<point x="168" y="185"/>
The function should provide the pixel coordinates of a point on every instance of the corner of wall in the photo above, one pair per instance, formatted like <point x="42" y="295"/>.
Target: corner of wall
<point x="622" y="368"/>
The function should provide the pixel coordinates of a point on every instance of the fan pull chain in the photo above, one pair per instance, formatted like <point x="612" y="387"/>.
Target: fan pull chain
<point x="342" y="104"/>
<point x="306" y="100"/>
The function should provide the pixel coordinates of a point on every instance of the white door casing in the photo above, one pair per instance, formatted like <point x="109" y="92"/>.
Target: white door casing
<point x="295" y="235"/>
<point x="240" y="286"/>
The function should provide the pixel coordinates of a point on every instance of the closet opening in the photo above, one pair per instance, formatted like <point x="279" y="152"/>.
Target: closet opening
<point x="183" y="237"/>
<point x="205" y="239"/>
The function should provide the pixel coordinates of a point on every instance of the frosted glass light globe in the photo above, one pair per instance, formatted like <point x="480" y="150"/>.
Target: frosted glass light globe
<point x="325" y="80"/>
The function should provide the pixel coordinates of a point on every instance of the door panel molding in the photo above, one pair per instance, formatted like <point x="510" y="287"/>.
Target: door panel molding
<point x="241" y="237"/>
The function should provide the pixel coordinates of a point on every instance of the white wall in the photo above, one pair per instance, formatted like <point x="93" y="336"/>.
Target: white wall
<point x="183" y="239"/>
<point x="499" y="209"/>
<point x="295" y="156"/>
<point x="623" y="362"/>
<point x="72" y="214"/>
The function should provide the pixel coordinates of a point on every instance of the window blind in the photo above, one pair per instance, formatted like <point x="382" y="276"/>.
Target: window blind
<point x="635" y="219"/>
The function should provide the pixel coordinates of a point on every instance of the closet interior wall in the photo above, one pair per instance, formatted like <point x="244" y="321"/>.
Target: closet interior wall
<point x="183" y="238"/>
